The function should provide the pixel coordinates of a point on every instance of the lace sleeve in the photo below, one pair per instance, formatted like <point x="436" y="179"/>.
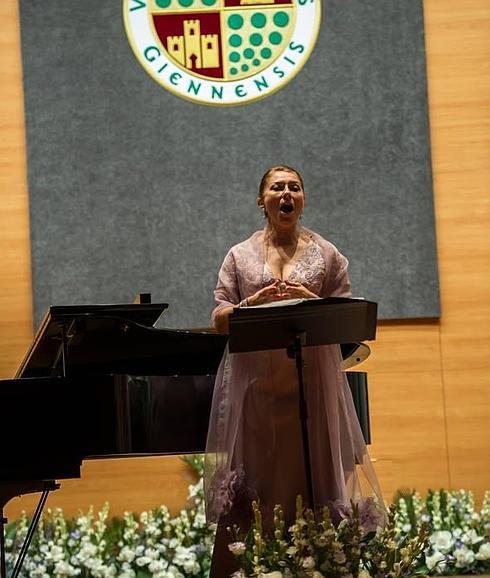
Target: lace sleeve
<point x="337" y="283"/>
<point x="226" y="292"/>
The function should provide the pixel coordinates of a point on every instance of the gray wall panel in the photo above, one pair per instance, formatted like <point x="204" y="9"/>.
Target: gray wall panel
<point x="133" y="189"/>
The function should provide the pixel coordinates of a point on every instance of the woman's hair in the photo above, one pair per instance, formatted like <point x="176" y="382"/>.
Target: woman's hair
<point x="273" y="170"/>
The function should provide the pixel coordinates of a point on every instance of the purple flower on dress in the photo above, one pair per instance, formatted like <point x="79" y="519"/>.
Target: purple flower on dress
<point x="339" y="511"/>
<point x="371" y="515"/>
<point x="229" y="489"/>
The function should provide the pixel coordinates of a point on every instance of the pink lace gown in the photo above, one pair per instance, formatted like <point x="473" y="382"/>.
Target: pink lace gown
<point x="254" y="446"/>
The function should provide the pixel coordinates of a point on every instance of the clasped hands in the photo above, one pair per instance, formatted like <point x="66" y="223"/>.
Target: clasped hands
<point x="278" y="291"/>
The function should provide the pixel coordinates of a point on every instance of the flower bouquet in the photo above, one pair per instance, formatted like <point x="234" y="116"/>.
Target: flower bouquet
<point x="359" y="546"/>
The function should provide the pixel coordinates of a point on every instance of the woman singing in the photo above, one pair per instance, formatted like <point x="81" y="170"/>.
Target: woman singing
<point x="254" y="447"/>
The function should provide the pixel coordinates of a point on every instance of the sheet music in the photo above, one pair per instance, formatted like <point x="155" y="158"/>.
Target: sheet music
<point x="296" y="301"/>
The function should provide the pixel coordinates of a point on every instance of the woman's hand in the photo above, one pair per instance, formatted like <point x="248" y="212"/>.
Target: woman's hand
<point x="267" y="294"/>
<point x="280" y="290"/>
<point x="298" y="291"/>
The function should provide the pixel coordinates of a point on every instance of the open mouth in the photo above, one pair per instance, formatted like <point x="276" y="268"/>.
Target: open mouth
<point x="286" y="208"/>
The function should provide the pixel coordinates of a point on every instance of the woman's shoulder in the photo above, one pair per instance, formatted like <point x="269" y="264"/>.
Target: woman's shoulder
<point x="324" y="244"/>
<point x="252" y="243"/>
<point x="335" y="262"/>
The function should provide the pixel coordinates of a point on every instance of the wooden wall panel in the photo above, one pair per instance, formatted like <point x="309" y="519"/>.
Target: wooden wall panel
<point x="458" y="49"/>
<point x="406" y="346"/>
<point x="15" y="273"/>
<point x="408" y="429"/>
<point x="429" y="380"/>
<point x="132" y="485"/>
<point x="468" y="428"/>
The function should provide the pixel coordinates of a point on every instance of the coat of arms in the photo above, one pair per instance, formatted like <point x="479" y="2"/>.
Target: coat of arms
<point x="222" y="51"/>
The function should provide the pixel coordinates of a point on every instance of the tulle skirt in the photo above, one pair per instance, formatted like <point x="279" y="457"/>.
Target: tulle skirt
<point x="255" y="446"/>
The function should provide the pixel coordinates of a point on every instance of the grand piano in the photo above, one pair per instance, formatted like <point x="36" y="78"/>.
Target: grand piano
<point x="103" y="381"/>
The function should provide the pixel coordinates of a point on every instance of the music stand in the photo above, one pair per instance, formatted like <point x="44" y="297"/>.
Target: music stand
<point x="312" y="322"/>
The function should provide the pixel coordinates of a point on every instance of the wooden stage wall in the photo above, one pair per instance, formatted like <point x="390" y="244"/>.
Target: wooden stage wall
<point x="429" y="380"/>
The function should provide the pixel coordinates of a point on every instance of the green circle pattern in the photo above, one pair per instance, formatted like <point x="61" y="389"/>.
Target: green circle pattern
<point x="163" y="3"/>
<point x="235" y="21"/>
<point x="275" y="38"/>
<point x="186" y="3"/>
<point x="235" y="40"/>
<point x="281" y="19"/>
<point x="258" y="21"/>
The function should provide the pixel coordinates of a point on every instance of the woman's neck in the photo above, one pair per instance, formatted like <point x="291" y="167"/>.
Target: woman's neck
<point x="282" y="237"/>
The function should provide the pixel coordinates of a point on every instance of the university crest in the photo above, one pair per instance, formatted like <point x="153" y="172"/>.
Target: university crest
<point x="222" y="52"/>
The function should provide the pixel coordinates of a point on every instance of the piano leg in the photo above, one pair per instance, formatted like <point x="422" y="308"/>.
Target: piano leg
<point x="11" y="491"/>
<point x="3" y="568"/>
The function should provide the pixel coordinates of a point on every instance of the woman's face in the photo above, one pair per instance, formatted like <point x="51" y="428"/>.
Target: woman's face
<point x="283" y="199"/>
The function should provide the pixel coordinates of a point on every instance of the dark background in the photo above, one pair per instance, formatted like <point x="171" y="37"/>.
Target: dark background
<point x="133" y="189"/>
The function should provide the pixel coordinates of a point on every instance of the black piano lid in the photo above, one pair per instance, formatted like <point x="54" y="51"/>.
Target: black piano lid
<point x="118" y="339"/>
<point x="46" y="344"/>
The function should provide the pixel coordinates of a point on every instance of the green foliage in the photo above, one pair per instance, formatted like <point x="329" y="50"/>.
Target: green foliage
<point x="196" y="462"/>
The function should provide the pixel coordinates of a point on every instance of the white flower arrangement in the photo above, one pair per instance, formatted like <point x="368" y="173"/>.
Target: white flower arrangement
<point x="151" y="545"/>
<point x="157" y="545"/>
<point x="459" y="540"/>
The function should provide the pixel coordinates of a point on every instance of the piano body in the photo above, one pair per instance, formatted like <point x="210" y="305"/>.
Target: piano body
<point x="102" y="381"/>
